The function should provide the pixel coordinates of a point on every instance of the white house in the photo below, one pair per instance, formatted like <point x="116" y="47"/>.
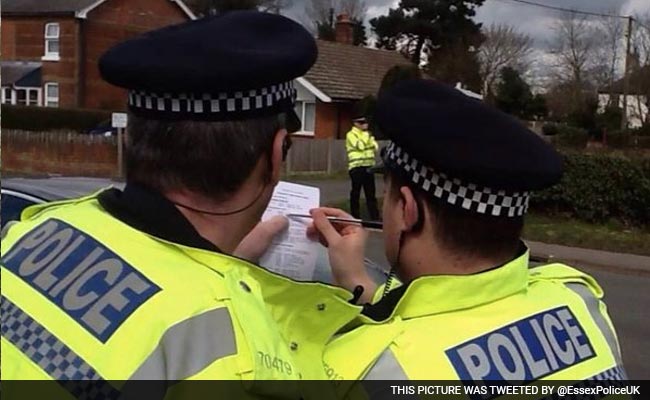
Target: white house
<point x="637" y="98"/>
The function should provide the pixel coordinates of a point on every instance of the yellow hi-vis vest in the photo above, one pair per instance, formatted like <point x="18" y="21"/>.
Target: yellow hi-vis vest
<point x="85" y="296"/>
<point x="510" y="323"/>
<point x="361" y="148"/>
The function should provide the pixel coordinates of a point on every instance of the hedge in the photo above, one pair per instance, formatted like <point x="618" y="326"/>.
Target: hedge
<point x="48" y="119"/>
<point x="568" y="136"/>
<point x="597" y="188"/>
<point x="625" y="139"/>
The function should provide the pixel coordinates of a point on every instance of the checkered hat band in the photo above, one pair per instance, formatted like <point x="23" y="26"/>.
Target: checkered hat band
<point x="472" y="197"/>
<point x="221" y="103"/>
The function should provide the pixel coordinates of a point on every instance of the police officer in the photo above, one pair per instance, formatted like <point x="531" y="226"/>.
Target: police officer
<point x="458" y="179"/>
<point x="138" y="284"/>
<point x="361" y="148"/>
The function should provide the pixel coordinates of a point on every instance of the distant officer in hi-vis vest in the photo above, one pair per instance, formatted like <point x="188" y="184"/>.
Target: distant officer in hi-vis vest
<point x="361" y="148"/>
<point x="139" y="284"/>
<point x="458" y="179"/>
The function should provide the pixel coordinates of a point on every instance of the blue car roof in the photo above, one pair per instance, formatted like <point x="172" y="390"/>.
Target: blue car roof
<point x="58" y="188"/>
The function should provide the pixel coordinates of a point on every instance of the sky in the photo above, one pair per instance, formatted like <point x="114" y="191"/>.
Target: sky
<point x="534" y="21"/>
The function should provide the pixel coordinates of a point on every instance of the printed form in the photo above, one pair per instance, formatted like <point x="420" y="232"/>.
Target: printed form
<point x="291" y="253"/>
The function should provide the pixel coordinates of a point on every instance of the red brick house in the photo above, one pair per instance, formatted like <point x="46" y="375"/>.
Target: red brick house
<point x="343" y="74"/>
<point x="50" y="48"/>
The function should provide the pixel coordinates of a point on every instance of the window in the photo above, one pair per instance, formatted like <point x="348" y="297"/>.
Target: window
<point x="51" y="41"/>
<point x="6" y="95"/>
<point x="32" y="98"/>
<point x="51" y="94"/>
<point x="306" y="111"/>
<point x="22" y="97"/>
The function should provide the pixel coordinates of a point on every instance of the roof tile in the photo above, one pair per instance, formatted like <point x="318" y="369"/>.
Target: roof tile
<point x="350" y="72"/>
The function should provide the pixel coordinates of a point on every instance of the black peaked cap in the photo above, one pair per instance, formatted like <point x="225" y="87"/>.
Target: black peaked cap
<point x="238" y="50"/>
<point x="245" y="61"/>
<point x="465" y="138"/>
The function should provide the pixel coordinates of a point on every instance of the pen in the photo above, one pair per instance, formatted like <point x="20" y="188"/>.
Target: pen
<point x="366" y="224"/>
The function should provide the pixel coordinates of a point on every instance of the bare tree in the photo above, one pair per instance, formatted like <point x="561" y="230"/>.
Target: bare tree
<point x="212" y="7"/>
<point x="274" y="6"/>
<point x="574" y="47"/>
<point x="641" y="75"/>
<point x="503" y="47"/>
<point x="610" y="51"/>
<point x="323" y="11"/>
<point x="641" y="37"/>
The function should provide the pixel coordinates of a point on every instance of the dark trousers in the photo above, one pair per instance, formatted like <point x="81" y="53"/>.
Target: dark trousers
<point x="360" y="177"/>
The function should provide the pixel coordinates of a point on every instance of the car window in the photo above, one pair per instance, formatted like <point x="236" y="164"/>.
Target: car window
<point x="12" y="206"/>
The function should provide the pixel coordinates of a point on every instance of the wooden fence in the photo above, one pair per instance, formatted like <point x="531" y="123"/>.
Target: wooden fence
<point x="70" y="153"/>
<point x="318" y="155"/>
<point x="59" y="153"/>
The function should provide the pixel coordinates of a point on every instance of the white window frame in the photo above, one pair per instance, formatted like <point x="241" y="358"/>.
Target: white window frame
<point x="13" y="99"/>
<point x="18" y="89"/>
<point x="39" y="96"/>
<point x="13" y="95"/>
<point x="49" y="55"/>
<point x="5" y="99"/>
<point x="47" y="99"/>
<point x="303" y="112"/>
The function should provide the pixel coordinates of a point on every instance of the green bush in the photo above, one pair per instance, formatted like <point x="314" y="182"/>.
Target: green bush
<point x="569" y="136"/>
<point x="626" y="139"/>
<point x="47" y="119"/>
<point x="642" y="131"/>
<point x="597" y="188"/>
<point x="619" y="139"/>
<point x="610" y="119"/>
<point x="550" y="129"/>
<point x="643" y="142"/>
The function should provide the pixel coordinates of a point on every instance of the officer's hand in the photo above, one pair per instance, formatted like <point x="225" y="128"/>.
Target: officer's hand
<point x="255" y="244"/>
<point x="346" y="249"/>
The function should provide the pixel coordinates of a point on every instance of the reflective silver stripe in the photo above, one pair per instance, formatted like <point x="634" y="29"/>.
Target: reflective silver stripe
<point x="51" y="354"/>
<point x="5" y="230"/>
<point x="592" y="303"/>
<point x="610" y="377"/>
<point x="189" y="347"/>
<point x="616" y="373"/>
<point x="386" y="368"/>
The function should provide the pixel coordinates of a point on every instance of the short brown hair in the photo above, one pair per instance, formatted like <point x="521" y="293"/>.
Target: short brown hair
<point x="210" y="158"/>
<point x="464" y="232"/>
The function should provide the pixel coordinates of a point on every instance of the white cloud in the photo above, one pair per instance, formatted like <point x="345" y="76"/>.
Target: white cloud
<point x="380" y="9"/>
<point x="632" y="7"/>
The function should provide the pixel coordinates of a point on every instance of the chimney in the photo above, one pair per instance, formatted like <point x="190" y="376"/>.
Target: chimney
<point x="344" y="29"/>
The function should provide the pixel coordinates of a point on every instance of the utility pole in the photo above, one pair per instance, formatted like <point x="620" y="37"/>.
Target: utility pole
<point x="626" y="77"/>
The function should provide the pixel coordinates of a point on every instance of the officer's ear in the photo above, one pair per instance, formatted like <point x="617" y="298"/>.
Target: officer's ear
<point x="278" y="155"/>
<point x="411" y="213"/>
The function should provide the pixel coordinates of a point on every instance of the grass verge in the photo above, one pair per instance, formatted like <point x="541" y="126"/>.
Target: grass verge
<point x="570" y="232"/>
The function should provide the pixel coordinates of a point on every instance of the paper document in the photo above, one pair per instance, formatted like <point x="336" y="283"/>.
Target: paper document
<point x="292" y="254"/>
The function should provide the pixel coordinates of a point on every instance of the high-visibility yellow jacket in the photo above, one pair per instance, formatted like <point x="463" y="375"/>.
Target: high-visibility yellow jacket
<point x="510" y="323"/>
<point x="85" y="296"/>
<point x="361" y="148"/>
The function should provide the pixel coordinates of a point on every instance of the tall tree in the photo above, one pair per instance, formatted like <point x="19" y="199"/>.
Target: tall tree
<point x="609" y="53"/>
<point x="574" y="47"/>
<point x="438" y="34"/>
<point x="214" y="7"/>
<point x="322" y="18"/>
<point x="503" y="47"/>
<point x="513" y="94"/>
<point x="641" y="37"/>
